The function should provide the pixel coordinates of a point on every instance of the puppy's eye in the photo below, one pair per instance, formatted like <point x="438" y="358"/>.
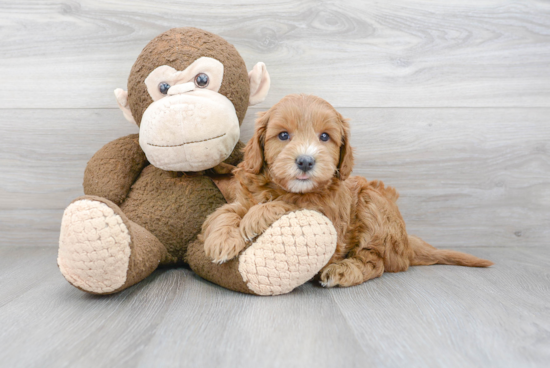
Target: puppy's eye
<point x="201" y="80"/>
<point x="324" y="137"/>
<point x="164" y="87"/>
<point x="283" y="136"/>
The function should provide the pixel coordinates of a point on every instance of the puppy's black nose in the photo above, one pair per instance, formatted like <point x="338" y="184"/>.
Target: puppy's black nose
<point x="305" y="162"/>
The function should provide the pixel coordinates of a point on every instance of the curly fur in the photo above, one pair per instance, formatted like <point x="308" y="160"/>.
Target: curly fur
<point x="371" y="232"/>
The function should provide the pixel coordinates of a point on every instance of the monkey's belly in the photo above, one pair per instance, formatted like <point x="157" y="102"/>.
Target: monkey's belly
<point x="172" y="207"/>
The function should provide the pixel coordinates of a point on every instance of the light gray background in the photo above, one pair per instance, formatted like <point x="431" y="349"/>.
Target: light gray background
<point x="449" y="102"/>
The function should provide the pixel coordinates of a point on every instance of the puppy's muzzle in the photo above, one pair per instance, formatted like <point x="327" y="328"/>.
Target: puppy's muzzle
<point x="305" y="162"/>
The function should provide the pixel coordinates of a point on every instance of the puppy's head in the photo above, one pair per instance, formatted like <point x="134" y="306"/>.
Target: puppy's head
<point x="303" y="142"/>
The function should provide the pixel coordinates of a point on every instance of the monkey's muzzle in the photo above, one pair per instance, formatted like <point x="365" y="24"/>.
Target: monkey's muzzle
<point x="189" y="131"/>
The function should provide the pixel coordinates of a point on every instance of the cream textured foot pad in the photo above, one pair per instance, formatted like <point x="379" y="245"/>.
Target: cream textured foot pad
<point x="94" y="247"/>
<point x="289" y="253"/>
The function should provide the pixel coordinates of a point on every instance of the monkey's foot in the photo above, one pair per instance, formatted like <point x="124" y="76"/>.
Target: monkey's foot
<point x="289" y="253"/>
<point x="101" y="251"/>
<point x="94" y="247"/>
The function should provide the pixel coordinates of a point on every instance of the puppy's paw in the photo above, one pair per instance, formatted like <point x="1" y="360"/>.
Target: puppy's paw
<point x="343" y="273"/>
<point x="259" y="218"/>
<point x="224" y="244"/>
<point x="250" y="229"/>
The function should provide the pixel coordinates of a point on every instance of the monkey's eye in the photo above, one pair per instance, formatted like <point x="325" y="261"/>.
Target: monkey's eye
<point x="164" y="87"/>
<point x="324" y="137"/>
<point x="283" y="136"/>
<point x="201" y="80"/>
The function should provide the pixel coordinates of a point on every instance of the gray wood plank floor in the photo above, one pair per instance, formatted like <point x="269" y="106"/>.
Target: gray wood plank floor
<point x="435" y="316"/>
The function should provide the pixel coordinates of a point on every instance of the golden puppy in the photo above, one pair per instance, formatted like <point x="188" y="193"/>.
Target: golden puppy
<point x="300" y="157"/>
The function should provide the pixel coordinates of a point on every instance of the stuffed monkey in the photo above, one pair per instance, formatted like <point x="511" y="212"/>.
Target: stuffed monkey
<point x="147" y="194"/>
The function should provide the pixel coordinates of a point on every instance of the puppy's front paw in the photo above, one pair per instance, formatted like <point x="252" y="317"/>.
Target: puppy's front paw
<point x="343" y="273"/>
<point x="224" y="244"/>
<point x="250" y="229"/>
<point x="259" y="218"/>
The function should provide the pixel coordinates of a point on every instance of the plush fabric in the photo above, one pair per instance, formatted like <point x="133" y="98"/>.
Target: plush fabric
<point x="171" y="76"/>
<point x="289" y="253"/>
<point x="101" y="251"/>
<point x="178" y="48"/>
<point x="180" y="136"/>
<point x="114" y="168"/>
<point x="94" y="249"/>
<point x="172" y="206"/>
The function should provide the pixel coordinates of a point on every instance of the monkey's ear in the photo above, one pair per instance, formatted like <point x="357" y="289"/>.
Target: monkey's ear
<point x="122" y="100"/>
<point x="259" y="84"/>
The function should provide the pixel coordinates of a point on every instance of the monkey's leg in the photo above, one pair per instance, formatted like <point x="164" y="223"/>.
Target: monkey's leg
<point x="288" y="254"/>
<point x="101" y="251"/>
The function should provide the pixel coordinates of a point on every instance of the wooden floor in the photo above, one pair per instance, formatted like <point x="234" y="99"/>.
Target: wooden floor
<point x="435" y="316"/>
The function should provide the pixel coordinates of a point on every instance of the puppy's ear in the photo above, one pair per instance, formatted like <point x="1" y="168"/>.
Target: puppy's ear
<point x="345" y="163"/>
<point x="254" y="149"/>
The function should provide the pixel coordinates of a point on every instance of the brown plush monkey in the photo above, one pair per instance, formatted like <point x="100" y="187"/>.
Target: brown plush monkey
<point x="148" y="194"/>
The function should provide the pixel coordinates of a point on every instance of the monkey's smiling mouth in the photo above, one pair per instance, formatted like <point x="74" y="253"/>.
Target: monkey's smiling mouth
<point x="179" y="145"/>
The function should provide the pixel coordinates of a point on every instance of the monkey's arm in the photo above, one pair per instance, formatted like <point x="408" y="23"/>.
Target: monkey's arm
<point x="113" y="169"/>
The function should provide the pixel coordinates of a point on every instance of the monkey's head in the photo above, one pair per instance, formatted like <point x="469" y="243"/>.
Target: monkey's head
<point x="188" y="92"/>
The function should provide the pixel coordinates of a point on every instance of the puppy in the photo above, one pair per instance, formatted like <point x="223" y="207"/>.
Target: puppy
<point x="300" y="158"/>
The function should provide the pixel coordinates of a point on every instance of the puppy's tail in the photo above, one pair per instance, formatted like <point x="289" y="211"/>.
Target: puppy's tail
<point x="425" y="254"/>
